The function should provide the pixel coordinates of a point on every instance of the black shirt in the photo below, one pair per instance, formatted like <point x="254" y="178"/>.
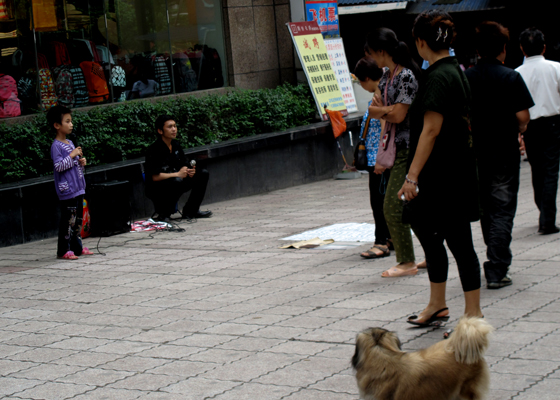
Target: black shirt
<point x="448" y="182"/>
<point x="160" y="160"/>
<point x="498" y="93"/>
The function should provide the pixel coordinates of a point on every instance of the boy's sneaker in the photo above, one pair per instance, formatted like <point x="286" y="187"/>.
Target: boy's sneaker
<point x="506" y="281"/>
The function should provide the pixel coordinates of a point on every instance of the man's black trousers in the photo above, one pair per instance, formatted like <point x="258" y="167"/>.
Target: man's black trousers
<point x="499" y="185"/>
<point x="542" y="140"/>
<point x="166" y="193"/>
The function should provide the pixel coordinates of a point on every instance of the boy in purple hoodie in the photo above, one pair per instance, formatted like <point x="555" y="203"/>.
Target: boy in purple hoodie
<point x="70" y="184"/>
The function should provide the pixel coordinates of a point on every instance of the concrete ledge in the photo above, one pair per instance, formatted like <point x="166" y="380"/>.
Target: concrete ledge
<point x="238" y="168"/>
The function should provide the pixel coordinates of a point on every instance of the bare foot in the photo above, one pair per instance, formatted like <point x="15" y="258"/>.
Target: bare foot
<point x="376" y="251"/>
<point x="422" y="264"/>
<point x="429" y="312"/>
<point x="402" y="269"/>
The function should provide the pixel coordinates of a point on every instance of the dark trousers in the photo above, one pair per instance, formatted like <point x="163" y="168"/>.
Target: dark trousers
<point x="377" y="188"/>
<point x="542" y="141"/>
<point x="458" y="236"/>
<point x="70" y="226"/>
<point x="166" y="193"/>
<point x="498" y="199"/>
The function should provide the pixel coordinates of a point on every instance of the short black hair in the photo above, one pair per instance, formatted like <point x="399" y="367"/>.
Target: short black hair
<point x="55" y="115"/>
<point x="532" y="42"/>
<point x="436" y="27"/>
<point x="161" y="120"/>
<point x="367" y="68"/>
<point x="490" y="39"/>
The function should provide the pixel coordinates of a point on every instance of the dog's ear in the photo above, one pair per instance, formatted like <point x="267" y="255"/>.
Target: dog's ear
<point x="388" y="340"/>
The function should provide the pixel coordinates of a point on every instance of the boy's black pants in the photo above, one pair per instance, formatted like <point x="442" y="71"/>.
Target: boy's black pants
<point x="70" y="227"/>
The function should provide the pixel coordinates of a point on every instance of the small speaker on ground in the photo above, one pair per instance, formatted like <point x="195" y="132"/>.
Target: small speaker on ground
<point x="109" y="207"/>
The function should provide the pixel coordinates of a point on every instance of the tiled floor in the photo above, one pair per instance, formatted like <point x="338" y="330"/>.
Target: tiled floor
<point x="220" y="312"/>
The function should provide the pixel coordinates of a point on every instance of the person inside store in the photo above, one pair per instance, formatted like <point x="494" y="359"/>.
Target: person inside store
<point x="144" y="87"/>
<point x="169" y="174"/>
<point x="440" y="191"/>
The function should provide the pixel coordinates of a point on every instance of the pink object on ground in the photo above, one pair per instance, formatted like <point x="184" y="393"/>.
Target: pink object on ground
<point x="68" y="256"/>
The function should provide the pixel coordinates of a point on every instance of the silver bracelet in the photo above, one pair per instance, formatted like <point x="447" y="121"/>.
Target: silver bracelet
<point x="410" y="181"/>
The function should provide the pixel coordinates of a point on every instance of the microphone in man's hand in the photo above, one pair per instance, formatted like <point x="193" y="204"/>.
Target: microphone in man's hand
<point x="193" y="163"/>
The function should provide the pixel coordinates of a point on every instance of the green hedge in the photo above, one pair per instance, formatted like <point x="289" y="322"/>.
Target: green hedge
<point x="110" y="134"/>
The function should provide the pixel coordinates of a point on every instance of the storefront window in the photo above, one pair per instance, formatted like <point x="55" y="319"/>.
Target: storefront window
<point x="87" y="52"/>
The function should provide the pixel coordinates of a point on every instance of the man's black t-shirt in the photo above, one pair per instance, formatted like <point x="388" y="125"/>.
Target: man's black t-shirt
<point x="160" y="160"/>
<point x="498" y="93"/>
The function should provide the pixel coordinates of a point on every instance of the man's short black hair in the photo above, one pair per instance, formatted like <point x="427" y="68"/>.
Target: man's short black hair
<point x="161" y="120"/>
<point x="532" y="42"/>
<point x="490" y="39"/>
<point x="55" y="115"/>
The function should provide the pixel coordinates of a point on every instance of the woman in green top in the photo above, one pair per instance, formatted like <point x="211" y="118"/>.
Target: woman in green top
<point x="440" y="189"/>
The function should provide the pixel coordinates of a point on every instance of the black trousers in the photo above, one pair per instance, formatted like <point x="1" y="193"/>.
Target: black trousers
<point x="166" y="193"/>
<point x="542" y="141"/>
<point x="70" y="226"/>
<point x="458" y="236"/>
<point x="377" y="187"/>
<point x="499" y="186"/>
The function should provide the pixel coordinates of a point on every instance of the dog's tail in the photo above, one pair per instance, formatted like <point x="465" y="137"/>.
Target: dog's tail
<point x="470" y="339"/>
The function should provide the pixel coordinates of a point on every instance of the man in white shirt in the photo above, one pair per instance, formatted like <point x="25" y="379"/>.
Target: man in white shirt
<point x="542" y="138"/>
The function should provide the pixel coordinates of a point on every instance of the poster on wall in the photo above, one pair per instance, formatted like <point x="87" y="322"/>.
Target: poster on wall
<point x="314" y="58"/>
<point x="337" y="56"/>
<point x="325" y="13"/>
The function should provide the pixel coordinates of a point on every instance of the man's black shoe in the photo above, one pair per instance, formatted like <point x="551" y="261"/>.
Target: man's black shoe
<point x="199" y="214"/>
<point x="506" y="281"/>
<point x="549" y="231"/>
<point x="161" y="218"/>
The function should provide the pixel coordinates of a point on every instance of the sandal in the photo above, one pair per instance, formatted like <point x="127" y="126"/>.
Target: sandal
<point x="434" y="320"/>
<point x="68" y="256"/>
<point x="395" y="272"/>
<point x="86" y="252"/>
<point x="372" y="254"/>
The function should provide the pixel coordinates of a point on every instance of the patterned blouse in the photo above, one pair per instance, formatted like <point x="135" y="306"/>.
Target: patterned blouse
<point x="372" y="138"/>
<point x="403" y="90"/>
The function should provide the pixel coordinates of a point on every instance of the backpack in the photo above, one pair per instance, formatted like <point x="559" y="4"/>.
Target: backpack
<point x="95" y="81"/>
<point x="64" y="86"/>
<point x="185" y="77"/>
<point x="46" y="83"/>
<point x="9" y="101"/>
<point x="162" y="75"/>
<point x="118" y="77"/>
<point x="27" y="90"/>
<point x="81" y="94"/>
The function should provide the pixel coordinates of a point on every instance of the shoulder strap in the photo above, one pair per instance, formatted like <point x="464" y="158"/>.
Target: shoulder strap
<point x="366" y="126"/>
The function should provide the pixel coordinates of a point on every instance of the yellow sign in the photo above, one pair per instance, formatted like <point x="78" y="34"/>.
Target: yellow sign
<point x="313" y="55"/>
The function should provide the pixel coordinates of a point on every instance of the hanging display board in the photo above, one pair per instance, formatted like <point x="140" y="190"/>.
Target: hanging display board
<point x="337" y="56"/>
<point x="325" y="13"/>
<point x="314" y="58"/>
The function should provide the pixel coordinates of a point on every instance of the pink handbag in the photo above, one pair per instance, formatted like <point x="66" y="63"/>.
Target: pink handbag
<point x="387" y="151"/>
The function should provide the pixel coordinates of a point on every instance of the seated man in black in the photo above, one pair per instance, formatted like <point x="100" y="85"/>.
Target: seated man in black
<point x="168" y="175"/>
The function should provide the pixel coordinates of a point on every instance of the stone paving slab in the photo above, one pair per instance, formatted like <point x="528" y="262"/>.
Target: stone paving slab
<point x="220" y="312"/>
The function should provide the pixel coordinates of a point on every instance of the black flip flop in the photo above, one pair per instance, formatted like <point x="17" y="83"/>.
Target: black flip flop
<point x="434" y="320"/>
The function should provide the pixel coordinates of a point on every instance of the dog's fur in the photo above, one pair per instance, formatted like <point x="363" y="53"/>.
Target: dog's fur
<point x="452" y="369"/>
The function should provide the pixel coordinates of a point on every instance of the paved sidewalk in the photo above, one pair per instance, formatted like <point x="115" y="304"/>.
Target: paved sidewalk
<point x="219" y="312"/>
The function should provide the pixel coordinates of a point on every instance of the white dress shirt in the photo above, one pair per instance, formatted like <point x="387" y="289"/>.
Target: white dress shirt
<point x="542" y="78"/>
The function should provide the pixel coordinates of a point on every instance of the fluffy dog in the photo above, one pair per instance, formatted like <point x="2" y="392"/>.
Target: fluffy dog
<point x="452" y="369"/>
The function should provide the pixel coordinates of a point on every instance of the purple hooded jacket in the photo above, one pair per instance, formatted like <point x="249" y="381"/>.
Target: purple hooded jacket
<point x="68" y="173"/>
